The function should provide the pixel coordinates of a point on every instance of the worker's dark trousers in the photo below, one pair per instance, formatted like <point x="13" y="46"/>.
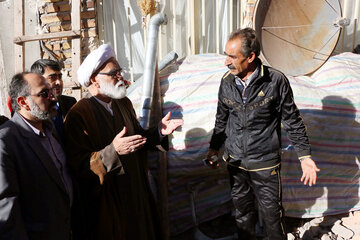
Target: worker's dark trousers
<point x="265" y="186"/>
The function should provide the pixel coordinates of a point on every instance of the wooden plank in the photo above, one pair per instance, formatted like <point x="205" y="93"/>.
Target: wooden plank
<point x="22" y="39"/>
<point x="19" y="49"/>
<point x="75" y="42"/>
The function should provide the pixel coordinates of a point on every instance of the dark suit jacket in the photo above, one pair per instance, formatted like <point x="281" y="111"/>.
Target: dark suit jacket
<point x="65" y="103"/>
<point x="34" y="203"/>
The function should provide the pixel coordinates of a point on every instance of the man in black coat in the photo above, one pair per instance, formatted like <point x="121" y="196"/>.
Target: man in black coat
<point x="35" y="185"/>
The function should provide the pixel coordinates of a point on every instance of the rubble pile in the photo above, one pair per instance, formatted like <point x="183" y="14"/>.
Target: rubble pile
<point x="338" y="227"/>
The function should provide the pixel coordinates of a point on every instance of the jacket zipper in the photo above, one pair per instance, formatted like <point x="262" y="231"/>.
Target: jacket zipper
<point x="245" y="138"/>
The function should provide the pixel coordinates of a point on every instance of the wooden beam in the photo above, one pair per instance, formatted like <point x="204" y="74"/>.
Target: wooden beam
<point x="75" y="42"/>
<point x="71" y="34"/>
<point x="19" y="49"/>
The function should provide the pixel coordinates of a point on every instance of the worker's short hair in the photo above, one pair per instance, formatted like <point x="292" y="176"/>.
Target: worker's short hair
<point x="249" y="41"/>
<point x="40" y="65"/>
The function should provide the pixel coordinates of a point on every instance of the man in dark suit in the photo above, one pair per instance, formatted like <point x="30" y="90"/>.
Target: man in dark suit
<point x="51" y="71"/>
<point x="35" y="186"/>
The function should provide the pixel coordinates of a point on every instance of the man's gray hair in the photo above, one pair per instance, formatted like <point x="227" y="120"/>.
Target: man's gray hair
<point x="249" y="41"/>
<point x="18" y="87"/>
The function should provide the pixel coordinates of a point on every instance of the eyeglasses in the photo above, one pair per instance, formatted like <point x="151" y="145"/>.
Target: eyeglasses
<point x="45" y="93"/>
<point x="114" y="73"/>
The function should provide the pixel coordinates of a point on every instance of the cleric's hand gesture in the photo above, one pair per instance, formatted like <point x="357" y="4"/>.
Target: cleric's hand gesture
<point x="167" y="125"/>
<point x="127" y="144"/>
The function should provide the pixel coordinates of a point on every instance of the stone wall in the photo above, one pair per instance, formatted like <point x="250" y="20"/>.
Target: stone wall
<point x="55" y="16"/>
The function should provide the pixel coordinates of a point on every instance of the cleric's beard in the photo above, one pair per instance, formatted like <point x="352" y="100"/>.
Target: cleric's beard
<point x="116" y="91"/>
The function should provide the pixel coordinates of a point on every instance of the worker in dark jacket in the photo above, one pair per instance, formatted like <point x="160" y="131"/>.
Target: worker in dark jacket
<point x="253" y="100"/>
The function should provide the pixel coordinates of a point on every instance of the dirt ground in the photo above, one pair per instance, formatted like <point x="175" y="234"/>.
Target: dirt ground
<point x="339" y="227"/>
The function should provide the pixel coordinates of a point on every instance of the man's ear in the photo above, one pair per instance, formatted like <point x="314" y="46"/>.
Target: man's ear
<point x="23" y="103"/>
<point x="94" y="81"/>
<point x="251" y="57"/>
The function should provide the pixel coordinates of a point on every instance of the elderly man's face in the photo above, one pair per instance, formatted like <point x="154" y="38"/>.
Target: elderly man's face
<point x="110" y="79"/>
<point x="41" y="101"/>
<point x="235" y="61"/>
<point x="55" y="80"/>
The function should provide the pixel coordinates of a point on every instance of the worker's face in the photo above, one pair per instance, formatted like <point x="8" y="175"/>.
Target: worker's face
<point x="41" y="102"/>
<point x="235" y="61"/>
<point x="54" y="78"/>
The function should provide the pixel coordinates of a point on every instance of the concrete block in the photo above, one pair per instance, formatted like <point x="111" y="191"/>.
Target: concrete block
<point x="342" y="231"/>
<point x="88" y="14"/>
<point x="89" y="23"/>
<point x="57" y="47"/>
<point x="51" y="8"/>
<point x="66" y="45"/>
<point x="67" y="54"/>
<point x="56" y="28"/>
<point x="90" y="4"/>
<point x="65" y="7"/>
<point x="66" y="27"/>
<point x="46" y="19"/>
<point x="67" y="17"/>
<point x="89" y="33"/>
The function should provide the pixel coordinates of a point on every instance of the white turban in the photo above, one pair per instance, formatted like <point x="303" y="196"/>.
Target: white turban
<point x="92" y="62"/>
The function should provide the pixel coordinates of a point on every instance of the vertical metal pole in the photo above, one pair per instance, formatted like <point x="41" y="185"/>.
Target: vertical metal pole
<point x="192" y="27"/>
<point x="174" y="24"/>
<point x="217" y="27"/>
<point x="188" y="44"/>
<point x="238" y="14"/>
<point x="231" y="9"/>
<point x="345" y="15"/>
<point x="203" y="21"/>
<point x="114" y="26"/>
<point x="130" y="43"/>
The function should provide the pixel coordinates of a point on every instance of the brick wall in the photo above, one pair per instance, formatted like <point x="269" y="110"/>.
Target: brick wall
<point x="55" y="16"/>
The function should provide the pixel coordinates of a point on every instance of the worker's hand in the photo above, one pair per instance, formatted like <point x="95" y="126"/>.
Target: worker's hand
<point x="167" y="125"/>
<point x="125" y="145"/>
<point x="309" y="170"/>
<point x="214" y="163"/>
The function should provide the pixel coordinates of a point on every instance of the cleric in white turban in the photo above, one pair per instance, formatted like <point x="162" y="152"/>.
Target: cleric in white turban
<point x="93" y="62"/>
<point x="107" y="151"/>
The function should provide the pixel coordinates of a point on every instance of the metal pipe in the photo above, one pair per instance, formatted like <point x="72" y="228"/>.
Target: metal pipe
<point x="169" y="58"/>
<point x="149" y="68"/>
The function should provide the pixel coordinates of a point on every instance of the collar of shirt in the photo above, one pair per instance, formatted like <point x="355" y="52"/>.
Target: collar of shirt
<point x="246" y="83"/>
<point x="36" y="131"/>
<point x="107" y="106"/>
